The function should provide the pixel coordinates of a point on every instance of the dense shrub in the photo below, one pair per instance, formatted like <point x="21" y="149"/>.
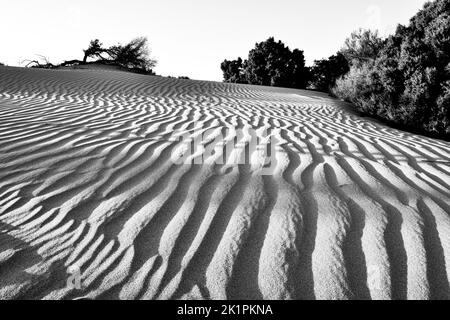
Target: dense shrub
<point x="325" y="72"/>
<point x="95" y="50"/>
<point x="233" y="71"/>
<point x="270" y="63"/>
<point x="361" y="47"/>
<point x="407" y="81"/>
<point x="134" y="55"/>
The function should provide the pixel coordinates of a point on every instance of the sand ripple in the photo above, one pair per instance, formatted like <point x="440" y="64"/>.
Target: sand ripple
<point x="352" y="209"/>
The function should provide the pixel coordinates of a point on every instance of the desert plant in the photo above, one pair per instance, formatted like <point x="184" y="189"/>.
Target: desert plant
<point x="134" y="55"/>
<point x="95" y="50"/>
<point x="233" y="71"/>
<point x="408" y="83"/>
<point x="362" y="46"/>
<point x="270" y="63"/>
<point x="325" y="72"/>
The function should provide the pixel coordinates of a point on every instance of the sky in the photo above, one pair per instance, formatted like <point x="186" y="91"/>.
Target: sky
<point x="190" y="37"/>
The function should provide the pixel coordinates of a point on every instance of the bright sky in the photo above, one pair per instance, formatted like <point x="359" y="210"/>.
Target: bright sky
<point x="190" y="37"/>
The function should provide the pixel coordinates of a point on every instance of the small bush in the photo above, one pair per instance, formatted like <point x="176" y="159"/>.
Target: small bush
<point x="233" y="71"/>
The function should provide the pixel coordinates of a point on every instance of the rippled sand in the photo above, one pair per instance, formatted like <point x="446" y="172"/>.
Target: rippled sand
<point x="350" y="209"/>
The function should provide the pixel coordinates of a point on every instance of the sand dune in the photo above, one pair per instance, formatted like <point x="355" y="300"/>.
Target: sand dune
<point x="90" y="196"/>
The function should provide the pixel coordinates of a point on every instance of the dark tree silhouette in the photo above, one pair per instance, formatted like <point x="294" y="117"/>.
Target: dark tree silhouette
<point x="134" y="55"/>
<point x="95" y="50"/>
<point x="298" y="75"/>
<point x="325" y="72"/>
<point x="233" y="71"/>
<point x="362" y="46"/>
<point x="270" y="63"/>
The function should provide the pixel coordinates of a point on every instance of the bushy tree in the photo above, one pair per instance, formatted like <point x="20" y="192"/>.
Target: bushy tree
<point x="233" y="71"/>
<point x="135" y="55"/>
<point x="362" y="46"/>
<point x="325" y="72"/>
<point x="408" y="82"/>
<point x="95" y="50"/>
<point x="270" y="63"/>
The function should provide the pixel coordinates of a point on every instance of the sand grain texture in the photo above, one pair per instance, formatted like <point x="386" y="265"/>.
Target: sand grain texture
<point x="351" y="210"/>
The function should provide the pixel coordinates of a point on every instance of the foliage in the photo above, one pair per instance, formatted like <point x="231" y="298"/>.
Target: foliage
<point x="362" y="47"/>
<point x="270" y="63"/>
<point x="41" y="62"/>
<point x="95" y="50"/>
<point x="233" y="71"/>
<point x="325" y="72"/>
<point x="408" y="82"/>
<point x="134" y="55"/>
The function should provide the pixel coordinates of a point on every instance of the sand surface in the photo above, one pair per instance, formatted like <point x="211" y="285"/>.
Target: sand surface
<point x="92" y="204"/>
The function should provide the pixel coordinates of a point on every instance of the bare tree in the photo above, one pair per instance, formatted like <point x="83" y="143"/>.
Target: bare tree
<point x="41" y="62"/>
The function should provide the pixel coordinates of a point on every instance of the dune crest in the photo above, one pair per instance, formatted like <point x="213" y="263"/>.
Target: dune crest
<point x="91" y="205"/>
